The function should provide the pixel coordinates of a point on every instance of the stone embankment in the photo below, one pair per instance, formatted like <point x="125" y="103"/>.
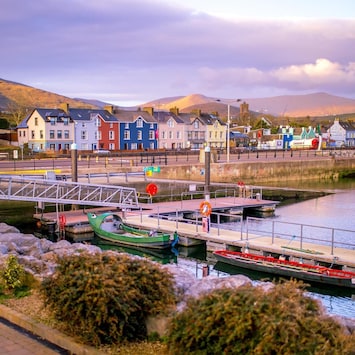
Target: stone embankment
<point x="38" y="256"/>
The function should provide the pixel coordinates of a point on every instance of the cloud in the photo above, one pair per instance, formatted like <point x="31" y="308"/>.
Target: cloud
<point x="149" y="49"/>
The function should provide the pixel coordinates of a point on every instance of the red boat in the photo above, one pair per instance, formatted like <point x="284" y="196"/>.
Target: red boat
<point x="291" y="269"/>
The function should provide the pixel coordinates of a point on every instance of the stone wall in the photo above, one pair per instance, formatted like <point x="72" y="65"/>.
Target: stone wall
<point x="257" y="172"/>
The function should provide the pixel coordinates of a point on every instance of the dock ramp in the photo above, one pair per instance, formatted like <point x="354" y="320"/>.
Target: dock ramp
<point x="62" y="192"/>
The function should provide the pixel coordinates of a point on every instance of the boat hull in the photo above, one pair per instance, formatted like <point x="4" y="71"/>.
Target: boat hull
<point x="304" y="272"/>
<point x="110" y="228"/>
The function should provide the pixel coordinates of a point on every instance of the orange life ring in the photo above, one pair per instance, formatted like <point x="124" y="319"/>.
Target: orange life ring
<point x="205" y="208"/>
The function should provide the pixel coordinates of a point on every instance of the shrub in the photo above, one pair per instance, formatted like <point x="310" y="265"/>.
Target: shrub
<point x="252" y="321"/>
<point x="106" y="297"/>
<point x="13" y="274"/>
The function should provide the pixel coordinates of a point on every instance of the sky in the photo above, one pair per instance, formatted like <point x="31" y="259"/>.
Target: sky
<point x="129" y="52"/>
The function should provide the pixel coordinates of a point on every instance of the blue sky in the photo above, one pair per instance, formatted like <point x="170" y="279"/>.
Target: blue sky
<point x="130" y="52"/>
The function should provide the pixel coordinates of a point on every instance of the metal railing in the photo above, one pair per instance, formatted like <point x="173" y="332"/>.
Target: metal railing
<point x="301" y="233"/>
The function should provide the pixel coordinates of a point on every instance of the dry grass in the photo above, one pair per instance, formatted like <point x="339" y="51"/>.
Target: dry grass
<point x="33" y="307"/>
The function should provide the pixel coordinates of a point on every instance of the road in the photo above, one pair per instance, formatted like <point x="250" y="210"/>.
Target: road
<point x="116" y="161"/>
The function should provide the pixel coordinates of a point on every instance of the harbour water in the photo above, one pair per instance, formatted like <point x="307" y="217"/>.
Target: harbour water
<point x="336" y="210"/>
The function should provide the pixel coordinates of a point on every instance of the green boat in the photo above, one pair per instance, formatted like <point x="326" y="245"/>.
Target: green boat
<point x="110" y="227"/>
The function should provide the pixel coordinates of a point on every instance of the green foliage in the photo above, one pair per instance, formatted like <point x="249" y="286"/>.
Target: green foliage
<point x="106" y="297"/>
<point x="13" y="274"/>
<point x="251" y="321"/>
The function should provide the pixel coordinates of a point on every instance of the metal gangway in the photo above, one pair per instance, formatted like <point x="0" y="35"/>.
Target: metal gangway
<point x="63" y="192"/>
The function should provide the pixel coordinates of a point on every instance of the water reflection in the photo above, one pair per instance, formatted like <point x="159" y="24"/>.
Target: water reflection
<point x="339" y="301"/>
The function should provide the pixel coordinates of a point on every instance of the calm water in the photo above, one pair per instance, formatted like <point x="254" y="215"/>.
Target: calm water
<point x="332" y="211"/>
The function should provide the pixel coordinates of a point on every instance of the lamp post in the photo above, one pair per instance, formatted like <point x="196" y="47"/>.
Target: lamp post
<point x="228" y="131"/>
<point x="228" y="126"/>
<point x="207" y="172"/>
<point x="74" y="162"/>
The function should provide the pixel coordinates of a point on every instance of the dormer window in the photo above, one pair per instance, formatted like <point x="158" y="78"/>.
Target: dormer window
<point x="196" y="124"/>
<point x="139" y="123"/>
<point x="53" y="120"/>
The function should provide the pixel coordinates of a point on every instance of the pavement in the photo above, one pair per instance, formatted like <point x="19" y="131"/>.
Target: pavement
<point x="21" y="335"/>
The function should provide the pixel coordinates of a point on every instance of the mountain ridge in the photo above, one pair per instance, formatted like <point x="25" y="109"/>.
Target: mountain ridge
<point x="314" y="104"/>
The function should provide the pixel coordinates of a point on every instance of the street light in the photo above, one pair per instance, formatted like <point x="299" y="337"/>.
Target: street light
<point x="228" y="131"/>
<point x="228" y="126"/>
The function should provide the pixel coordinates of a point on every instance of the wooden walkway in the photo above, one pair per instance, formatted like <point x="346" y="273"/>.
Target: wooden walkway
<point x="148" y="216"/>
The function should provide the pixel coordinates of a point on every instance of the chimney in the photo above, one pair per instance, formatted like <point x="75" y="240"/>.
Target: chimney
<point x="149" y="109"/>
<point x="109" y="108"/>
<point x="197" y="112"/>
<point x="175" y="111"/>
<point x="64" y="106"/>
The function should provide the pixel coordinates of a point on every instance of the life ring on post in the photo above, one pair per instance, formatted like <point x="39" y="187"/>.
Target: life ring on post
<point x="151" y="189"/>
<point x="205" y="208"/>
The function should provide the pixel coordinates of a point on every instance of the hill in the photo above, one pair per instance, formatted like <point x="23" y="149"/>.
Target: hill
<point x="15" y="94"/>
<point x="318" y="104"/>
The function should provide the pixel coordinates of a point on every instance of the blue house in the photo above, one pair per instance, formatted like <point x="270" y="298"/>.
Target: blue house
<point x="138" y="130"/>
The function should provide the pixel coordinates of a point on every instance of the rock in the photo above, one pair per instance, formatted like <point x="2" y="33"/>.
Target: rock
<point x="39" y="257"/>
<point x="4" y="228"/>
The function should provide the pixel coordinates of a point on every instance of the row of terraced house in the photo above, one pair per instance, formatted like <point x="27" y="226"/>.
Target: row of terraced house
<point x="111" y="129"/>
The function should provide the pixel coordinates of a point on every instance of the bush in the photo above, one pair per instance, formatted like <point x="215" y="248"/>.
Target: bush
<point x="13" y="274"/>
<point x="106" y="297"/>
<point x="252" y="321"/>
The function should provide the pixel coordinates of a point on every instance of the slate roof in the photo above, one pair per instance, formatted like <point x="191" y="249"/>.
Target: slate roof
<point x="347" y="126"/>
<point x="132" y="116"/>
<point x="164" y="117"/>
<point x="78" y="114"/>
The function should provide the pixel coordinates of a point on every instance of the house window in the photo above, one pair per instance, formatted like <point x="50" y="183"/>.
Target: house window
<point x="111" y="135"/>
<point x="111" y="146"/>
<point x="66" y="121"/>
<point x="151" y="145"/>
<point x="171" y="123"/>
<point x="126" y="125"/>
<point x="139" y="135"/>
<point x="151" y="135"/>
<point x="53" y="121"/>
<point x="127" y="135"/>
<point x="83" y="125"/>
<point x="98" y="122"/>
<point x="139" y="123"/>
<point x="99" y="135"/>
<point x="151" y="126"/>
<point x="84" y="135"/>
<point x="196" y="124"/>
<point x="170" y="135"/>
<point x="36" y="121"/>
<point x="111" y="125"/>
<point x="163" y="135"/>
<point x="51" y="134"/>
<point x="66" y="134"/>
<point x="32" y="134"/>
<point x="59" y="134"/>
<point x="41" y="134"/>
<point x="178" y="135"/>
<point x="52" y="146"/>
<point x="210" y="134"/>
<point x="134" y="146"/>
